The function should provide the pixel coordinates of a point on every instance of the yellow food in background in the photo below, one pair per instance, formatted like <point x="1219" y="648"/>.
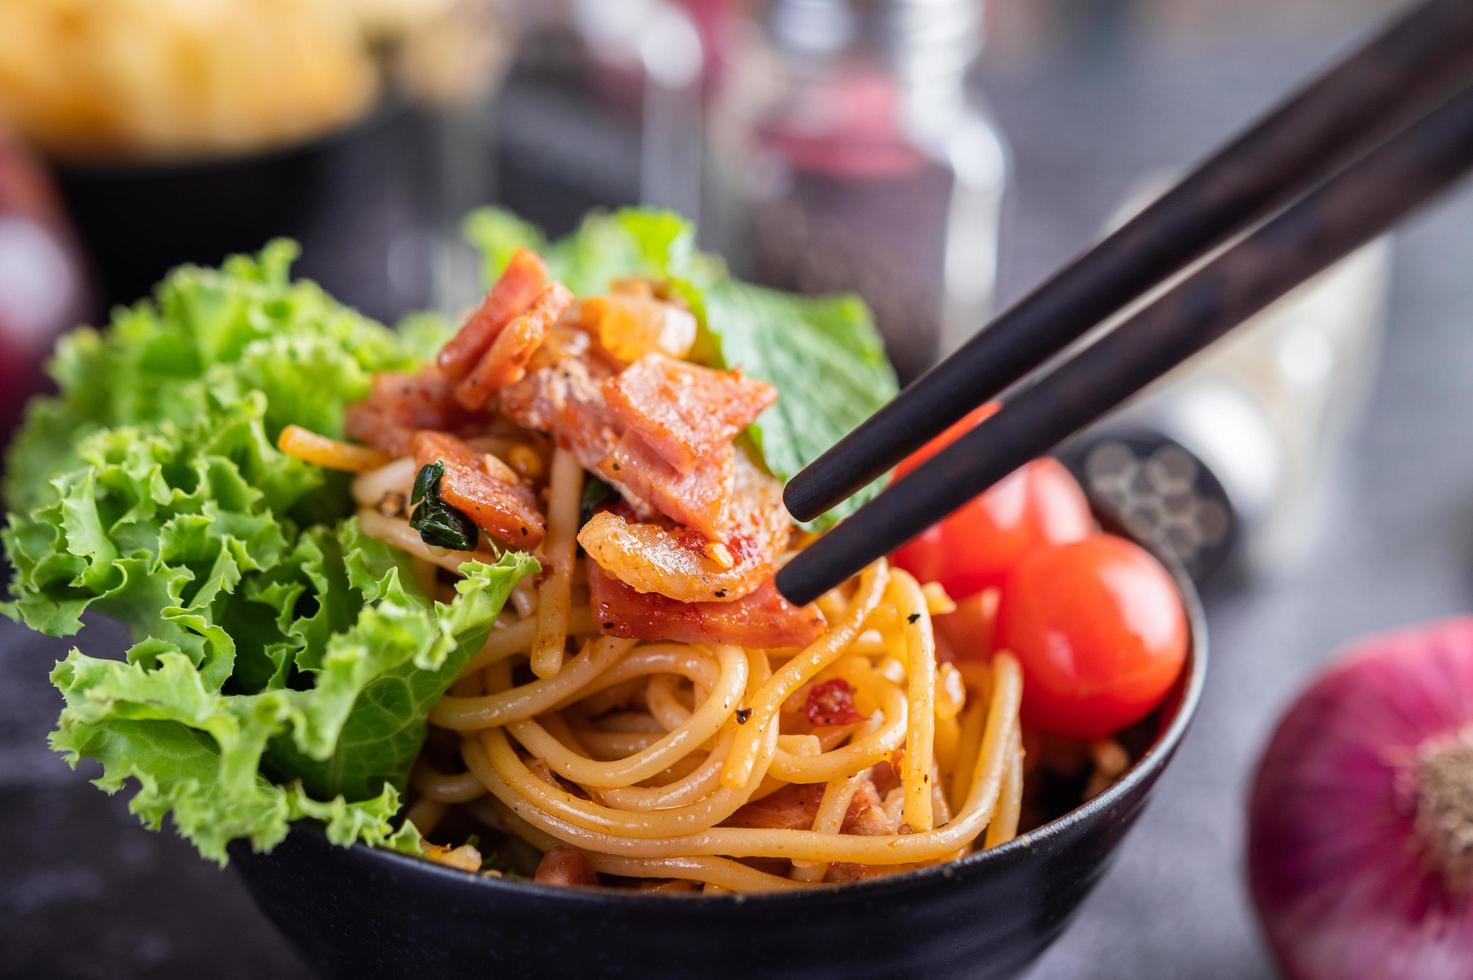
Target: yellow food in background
<point x="151" y="79"/>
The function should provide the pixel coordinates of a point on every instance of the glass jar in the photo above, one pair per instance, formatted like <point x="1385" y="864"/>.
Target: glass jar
<point x="847" y="152"/>
<point x="1229" y="459"/>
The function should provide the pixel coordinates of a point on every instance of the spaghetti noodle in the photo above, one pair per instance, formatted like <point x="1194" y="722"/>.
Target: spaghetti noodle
<point x="659" y="708"/>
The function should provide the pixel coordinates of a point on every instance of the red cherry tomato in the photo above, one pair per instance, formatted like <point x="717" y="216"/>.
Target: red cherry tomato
<point x="1100" y="632"/>
<point x="977" y="546"/>
<point x="968" y="629"/>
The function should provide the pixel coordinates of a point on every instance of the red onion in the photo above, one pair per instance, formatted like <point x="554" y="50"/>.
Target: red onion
<point x="1360" y="852"/>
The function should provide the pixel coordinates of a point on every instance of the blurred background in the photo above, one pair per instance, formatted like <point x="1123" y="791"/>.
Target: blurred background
<point x="941" y="157"/>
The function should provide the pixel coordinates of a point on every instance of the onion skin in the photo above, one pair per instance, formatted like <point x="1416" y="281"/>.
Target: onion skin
<point x="1344" y="883"/>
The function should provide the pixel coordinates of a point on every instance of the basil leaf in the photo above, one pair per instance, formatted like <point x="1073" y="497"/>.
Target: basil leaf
<point x="427" y="480"/>
<point x="595" y="494"/>
<point x="437" y="522"/>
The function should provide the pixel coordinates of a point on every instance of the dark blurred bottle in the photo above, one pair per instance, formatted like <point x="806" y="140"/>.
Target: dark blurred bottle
<point x="43" y="283"/>
<point x="849" y="153"/>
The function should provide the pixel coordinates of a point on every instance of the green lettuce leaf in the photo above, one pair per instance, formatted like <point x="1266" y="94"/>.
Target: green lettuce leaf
<point x="338" y="750"/>
<point x="823" y="354"/>
<point x="606" y="246"/>
<point x="283" y="663"/>
<point x="826" y="360"/>
<point x="228" y="331"/>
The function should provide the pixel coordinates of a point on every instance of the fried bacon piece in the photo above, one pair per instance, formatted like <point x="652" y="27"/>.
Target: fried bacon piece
<point x="793" y="807"/>
<point x="402" y="404"/>
<point x="679" y="563"/>
<point x="523" y="280"/>
<point x="565" y="866"/>
<point x="685" y="411"/>
<point x="858" y="820"/>
<point x="725" y="497"/>
<point x="563" y="399"/>
<point x="831" y="703"/>
<point x="698" y="499"/>
<point x="505" y="361"/>
<point x="505" y="511"/>
<point x="762" y="619"/>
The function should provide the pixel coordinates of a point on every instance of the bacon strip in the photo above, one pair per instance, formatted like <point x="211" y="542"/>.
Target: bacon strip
<point x="761" y="619"/>
<point x="725" y="497"/>
<point x="793" y="807"/>
<point x="683" y="410"/>
<point x="856" y="821"/>
<point x="523" y="280"/>
<point x="564" y="399"/>
<point x="506" y="511"/>
<point x="506" y="359"/>
<point x="680" y="563"/>
<point x="699" y="498"/>
<point x="402" y="404"/>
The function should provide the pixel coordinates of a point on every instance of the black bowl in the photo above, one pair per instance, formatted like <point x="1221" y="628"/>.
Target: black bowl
<point x="357" y="911"/>
<point x="139" y="219"/>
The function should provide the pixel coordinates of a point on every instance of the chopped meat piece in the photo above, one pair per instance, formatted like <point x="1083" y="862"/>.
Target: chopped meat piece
<point x="865" y="797"/>
<point x="506" y="511"/>
<point x="872" y="821"/>
<point x="793" y="807"/>
<point x="739" y="505"/>
<point x="832" y="703"/>
<point x="562" y="343"/>
<point x="762" y="619"/>
<point x="523" y="280"/>
<point x="886" y="775"/>
<point x="564" y="400"/>
<point x="698" y="498"/>
<point x="505" y="361"/>
<point x="678" y="563"/>
<point x="565" y="866"/>
<point x="683" y="410"/>
<point x="402" y="404"/>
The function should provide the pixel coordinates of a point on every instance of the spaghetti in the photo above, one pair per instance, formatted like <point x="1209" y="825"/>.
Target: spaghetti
<point x="655" y="705"/>
<point x="641" y="753"/>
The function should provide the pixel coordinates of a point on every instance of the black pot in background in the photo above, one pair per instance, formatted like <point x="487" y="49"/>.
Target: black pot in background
<point x="355" y="911"/>
<point x="347" y="196"/>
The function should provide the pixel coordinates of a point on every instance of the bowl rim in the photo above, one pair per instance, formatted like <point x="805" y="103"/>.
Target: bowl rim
<point x="384" y="109"/>
<point x="1184" y="702"/>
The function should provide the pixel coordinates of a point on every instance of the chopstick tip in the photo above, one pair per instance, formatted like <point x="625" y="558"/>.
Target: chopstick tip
<point x="801" y="499"/>
<point x="795" y="586"/>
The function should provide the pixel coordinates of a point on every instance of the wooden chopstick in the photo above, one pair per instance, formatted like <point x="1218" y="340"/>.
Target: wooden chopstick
<point x="1348" y="210"/>
<point x="1401" y="71"/>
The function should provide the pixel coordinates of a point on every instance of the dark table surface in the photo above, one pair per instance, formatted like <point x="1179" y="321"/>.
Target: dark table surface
<point x="85" y="892"/>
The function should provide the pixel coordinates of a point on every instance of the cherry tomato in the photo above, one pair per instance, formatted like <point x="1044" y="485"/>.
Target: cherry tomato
<point x="977" y="546"/>
<point x="1100" y="632"/>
